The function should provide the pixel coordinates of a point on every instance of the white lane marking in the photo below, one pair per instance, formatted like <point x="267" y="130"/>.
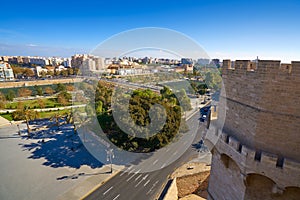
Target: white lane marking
<point x="131" y="171"/>
<point x="138" y="183"/>
<point x="152" y="188"/>
<point x="138" y="177"/>
<point x="107" y="190"/>
<point x="167" y="150"/>
<point x="130" y="177"/>
<point x="122" y="173"/>
<point x="145" y="176"/>
<point x="163" y="165"/>
<point x="155" y="162"/>
<point x="126" y="170"/>
<point x="146" y="183"/>
<point x="135" y="173"/>
<point x="116" y="197"/>
<point x="174" y="153"/>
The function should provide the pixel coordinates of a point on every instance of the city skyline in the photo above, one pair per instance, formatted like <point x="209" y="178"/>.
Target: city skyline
<point x="233" y="30"/>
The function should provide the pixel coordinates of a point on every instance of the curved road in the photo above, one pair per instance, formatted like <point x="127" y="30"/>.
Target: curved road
<point x="130" y="184"/>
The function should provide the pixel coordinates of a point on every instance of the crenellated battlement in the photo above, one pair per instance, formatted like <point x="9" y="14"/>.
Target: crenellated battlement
<point x="263" y="107"/>
<point x="259" y="162"/>
<point x="256" y="151"/>
<point x="262" y="66"/>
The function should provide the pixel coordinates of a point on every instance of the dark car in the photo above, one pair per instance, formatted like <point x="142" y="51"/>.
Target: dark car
<point x="202" y="118"/>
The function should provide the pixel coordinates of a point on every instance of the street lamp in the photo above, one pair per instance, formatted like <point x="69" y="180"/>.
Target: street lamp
<point x="109" y="156"/>
<point x="19" y="133"/>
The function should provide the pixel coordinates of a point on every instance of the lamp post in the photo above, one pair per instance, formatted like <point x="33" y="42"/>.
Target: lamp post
<point x="109" y="156"/>
<point x="19" y="133"/>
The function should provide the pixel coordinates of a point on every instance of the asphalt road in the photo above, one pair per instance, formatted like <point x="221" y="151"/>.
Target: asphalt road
<point x="131" y="184"/>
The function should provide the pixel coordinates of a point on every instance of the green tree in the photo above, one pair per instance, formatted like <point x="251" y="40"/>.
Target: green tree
<point x="77" y="71"/>
<point x="70" y="88"/>
<point x="28" y="72"/>
<point x="202" y="88"/>
<point x="2" y="101"/>
<point x="10" y="95"/>
<point x="166" y="92"/>
<point x="184" y="100"/>
<point x="56" y="117"/>
<point x="99" y="107"/>
<point x="64" y="97"/>
<point x="57" y="72"/>
<point x="60" y="87"/>
<point x="140" y="103"/>
<point x="2" y="104"/>
<point x="38" y="90"/>
<point x="17" y="70"/>
<point x="50" y="73"/>
<point x="24" y="92"/>
<point x="25" y="114"/>
<point x="41" y="103"/>
<point x="2" y="97"/>
<point x="213" y="80"/>
<point x="70" y="71"/>
<point x="64" y="73"/>
<point x="43" y="74"/>
<point x="49" y="90"/>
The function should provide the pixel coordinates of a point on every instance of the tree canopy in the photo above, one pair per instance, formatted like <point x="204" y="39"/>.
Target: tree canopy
<point x="140" y="104"/>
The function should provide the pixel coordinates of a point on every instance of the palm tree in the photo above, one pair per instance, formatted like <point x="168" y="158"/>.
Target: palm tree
<point x="24" y="113"/>
<point x="70" y="120"/>
<point x="29" y="115"/>
<point x="56" y="117"/>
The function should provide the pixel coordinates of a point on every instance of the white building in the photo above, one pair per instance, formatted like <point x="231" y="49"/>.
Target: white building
<point x="40" y="70"/>
<point x="67" y="62"/>
<point x="60" y="68"/>
<point x="56" y="61"/>
<point x="39" y="61"/>
<point x="6" y="72"/>
<point x="89" y="64"/>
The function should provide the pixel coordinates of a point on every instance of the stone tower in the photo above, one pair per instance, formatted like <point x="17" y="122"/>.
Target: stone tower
<point x="257" y="155"/>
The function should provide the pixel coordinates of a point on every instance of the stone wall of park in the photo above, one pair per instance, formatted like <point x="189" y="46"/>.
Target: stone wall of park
<point x="12" y="84"/>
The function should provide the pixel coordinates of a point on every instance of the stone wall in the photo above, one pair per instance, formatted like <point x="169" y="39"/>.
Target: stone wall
<point x="233" y="163"/>
<point x="38" y="82"/>
<point x="257" y="154"/>
<point x="263" y="106"/>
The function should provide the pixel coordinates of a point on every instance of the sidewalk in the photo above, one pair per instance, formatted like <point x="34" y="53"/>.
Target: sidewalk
<point x="49" y="170"/>
<point x="85" y="188"/>
<point x="4" y="122"/>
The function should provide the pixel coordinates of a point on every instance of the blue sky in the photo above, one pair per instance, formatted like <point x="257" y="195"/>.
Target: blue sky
<point x="225" y="29"/>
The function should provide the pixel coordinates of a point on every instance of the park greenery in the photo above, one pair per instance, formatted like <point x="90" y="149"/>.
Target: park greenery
<point x="27" y="100"/>
<point x="140" y="103"/>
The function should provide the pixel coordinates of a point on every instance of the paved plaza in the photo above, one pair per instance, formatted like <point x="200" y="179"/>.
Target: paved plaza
<point x="58" y="168"/>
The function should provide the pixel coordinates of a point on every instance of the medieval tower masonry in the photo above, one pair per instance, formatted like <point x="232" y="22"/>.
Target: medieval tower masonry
<point x="257" y="155"/>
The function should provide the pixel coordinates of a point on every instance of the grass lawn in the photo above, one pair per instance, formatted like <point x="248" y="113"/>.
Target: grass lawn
<point x="42" y="115"/>
<point x="48" y="102"/>
<point x="50" y="114"/>
<point x="7" y="116"/>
